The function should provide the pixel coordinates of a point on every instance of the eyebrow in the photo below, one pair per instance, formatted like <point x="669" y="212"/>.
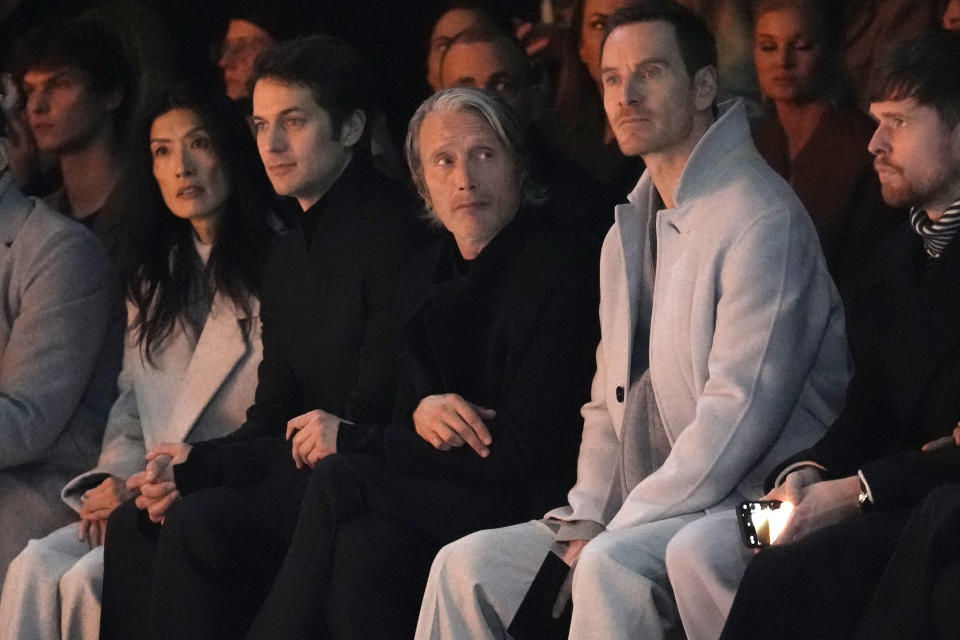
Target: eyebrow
<point x="642" y="63"/>
<point x="63" y="73"/>
<point x="285" y="112"/>
<point x="186" y="135"/>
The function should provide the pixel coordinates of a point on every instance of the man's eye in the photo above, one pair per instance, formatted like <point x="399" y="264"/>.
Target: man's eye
<point x="650" y="73"/>
<point x="485" y="154"/>
<point x="598" y="24"/>
<point x="767" y="47"/>
<point x="159" y="152"/>
<point x="200" y="143"/>
<point x="611" y="81"/>
<point x="295" y="123"/>
<point x="443" y="161"/>
<point x="898" y="123"/>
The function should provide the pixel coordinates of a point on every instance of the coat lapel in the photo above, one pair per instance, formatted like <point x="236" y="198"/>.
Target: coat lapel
<point x="219" y="349"/>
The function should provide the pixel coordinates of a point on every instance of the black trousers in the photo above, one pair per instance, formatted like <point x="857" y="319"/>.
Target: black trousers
<point x="919" y="592"/>
<point x="356" y="567"/>
<point x="205" y="572"/>
<point x="818" y="587"/>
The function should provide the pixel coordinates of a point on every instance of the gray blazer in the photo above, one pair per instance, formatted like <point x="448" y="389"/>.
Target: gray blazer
<point x="747" y="352"/>
<point x="58" y="366"/>
<point x="190" y="393"/>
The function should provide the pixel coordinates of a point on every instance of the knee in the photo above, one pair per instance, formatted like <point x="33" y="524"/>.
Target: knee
<point x="192" y="527"/>
<point x="83" y="581"/>
<point x="35" y="565"/>
<point x="688" y="550"/>
<point x="458" y="565"/>
<point x="592" y="565"/>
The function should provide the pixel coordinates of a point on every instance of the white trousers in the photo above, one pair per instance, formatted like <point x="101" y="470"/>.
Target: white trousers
<point x="705" y="563"/>
<point x="52" y="590"/>
<point x="620" y="586"/>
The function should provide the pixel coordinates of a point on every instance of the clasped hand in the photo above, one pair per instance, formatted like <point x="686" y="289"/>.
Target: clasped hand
<point x="314" y="437"/>
<point x="98" y="504"/>
<point x="155" y="483"/>
<point x="447" y="420"/>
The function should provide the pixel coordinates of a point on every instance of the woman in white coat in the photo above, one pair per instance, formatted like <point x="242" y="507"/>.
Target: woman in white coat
<point x="192" y="345"/>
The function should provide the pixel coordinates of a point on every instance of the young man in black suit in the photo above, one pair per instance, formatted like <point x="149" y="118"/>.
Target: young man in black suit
<point x="228" y="506"/>
<point x="854" y="490"/>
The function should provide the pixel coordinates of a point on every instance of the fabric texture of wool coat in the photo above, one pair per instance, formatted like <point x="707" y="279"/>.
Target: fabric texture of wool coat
<point x="60" y="352"/>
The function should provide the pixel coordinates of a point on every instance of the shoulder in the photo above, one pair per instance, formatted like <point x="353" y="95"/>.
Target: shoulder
<point x="50" y="241"/>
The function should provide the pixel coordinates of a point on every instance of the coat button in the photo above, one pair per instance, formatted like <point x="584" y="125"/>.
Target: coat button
<point x="619" y="394"/>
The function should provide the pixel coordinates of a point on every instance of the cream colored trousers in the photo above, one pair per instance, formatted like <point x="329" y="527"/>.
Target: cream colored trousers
<point x="620" y="586"/>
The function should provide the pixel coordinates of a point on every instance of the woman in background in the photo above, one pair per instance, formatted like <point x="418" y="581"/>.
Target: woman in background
<point x="814" y="140"/>
<point x="583" y="131"/>
<point x="203" y="204"/>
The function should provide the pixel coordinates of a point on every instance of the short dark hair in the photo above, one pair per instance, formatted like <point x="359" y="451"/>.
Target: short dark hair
<point x="925" y="69"/>
<point x="497" y="37"/>
<point x="87" y="45"/>
<point x="697" y="45"/>
<point x="336" y="75"/>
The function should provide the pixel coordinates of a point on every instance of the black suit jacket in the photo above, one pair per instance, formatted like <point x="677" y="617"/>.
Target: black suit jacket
<point x="515" y="333"/>
<point x="904" y="333"/>
<point x="326" y="324"/>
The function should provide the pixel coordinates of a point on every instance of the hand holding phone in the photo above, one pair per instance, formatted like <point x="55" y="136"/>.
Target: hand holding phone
<point x="761" y="521"/>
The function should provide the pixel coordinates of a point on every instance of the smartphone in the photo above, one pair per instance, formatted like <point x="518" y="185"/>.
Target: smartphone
<point x="762" y="521"/>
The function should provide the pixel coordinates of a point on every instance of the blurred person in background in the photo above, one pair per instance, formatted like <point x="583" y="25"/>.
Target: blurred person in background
<point x="814" y="138"/>
<point x="78" y="95"/>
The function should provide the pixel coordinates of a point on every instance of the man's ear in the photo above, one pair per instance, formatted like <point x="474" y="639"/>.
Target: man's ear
<point x="352" y="128"/>
<point x="705" y="87"/>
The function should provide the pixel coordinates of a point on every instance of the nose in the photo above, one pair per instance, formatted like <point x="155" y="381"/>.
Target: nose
<point x="276" y="139"/>
<point x="788" y="57"/>
<point x="879" y="143"/>
<point x="633" y="89"/>
<point x="465" y="176"/>
<point x="38" y="101"/>
<point x="186" y="166"/>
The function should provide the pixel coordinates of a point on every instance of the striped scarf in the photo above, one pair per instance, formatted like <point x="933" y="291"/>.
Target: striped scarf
<point x="936" y="235"/>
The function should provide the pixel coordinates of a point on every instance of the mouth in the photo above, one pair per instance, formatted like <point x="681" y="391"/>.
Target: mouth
<point x="190" y="191"/>
<point x="633" y="119"/>
<point x="884" y="169"/>
<point x="470" y="206"/>
<point x="281" y="168"/>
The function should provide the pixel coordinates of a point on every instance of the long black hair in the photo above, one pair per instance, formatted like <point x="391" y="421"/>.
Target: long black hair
<point x="160" y="269"/>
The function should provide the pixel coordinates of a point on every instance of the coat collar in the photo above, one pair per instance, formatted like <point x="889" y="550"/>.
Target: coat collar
<point x="452" y="298"/>
<point x="726" y="139"/>
<point x="220" y="347"/>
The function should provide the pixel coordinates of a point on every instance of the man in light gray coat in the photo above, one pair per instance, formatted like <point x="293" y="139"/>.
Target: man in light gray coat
<point x="60" y="354"/>
<point x="722" y="348"/>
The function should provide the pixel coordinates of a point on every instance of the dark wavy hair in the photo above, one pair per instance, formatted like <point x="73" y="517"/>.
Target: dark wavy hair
<point x="925" y="69"/>
<point x="160" y="269"/>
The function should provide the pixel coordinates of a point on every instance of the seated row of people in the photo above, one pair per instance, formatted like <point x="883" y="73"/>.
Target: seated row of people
<point x="412" y="398"/>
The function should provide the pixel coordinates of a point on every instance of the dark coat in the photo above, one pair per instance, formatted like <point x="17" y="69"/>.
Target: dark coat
<point x="905" y="337"/>
<point x="326" y="312"/>
<point x="906" y="392"/>
<point x="326" y="315"/>
<point x="834" y="178"/>
<point x="515" y="333"/>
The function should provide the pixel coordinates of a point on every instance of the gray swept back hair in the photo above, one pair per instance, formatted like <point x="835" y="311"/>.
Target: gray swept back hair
<point x="496" y="113"/>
